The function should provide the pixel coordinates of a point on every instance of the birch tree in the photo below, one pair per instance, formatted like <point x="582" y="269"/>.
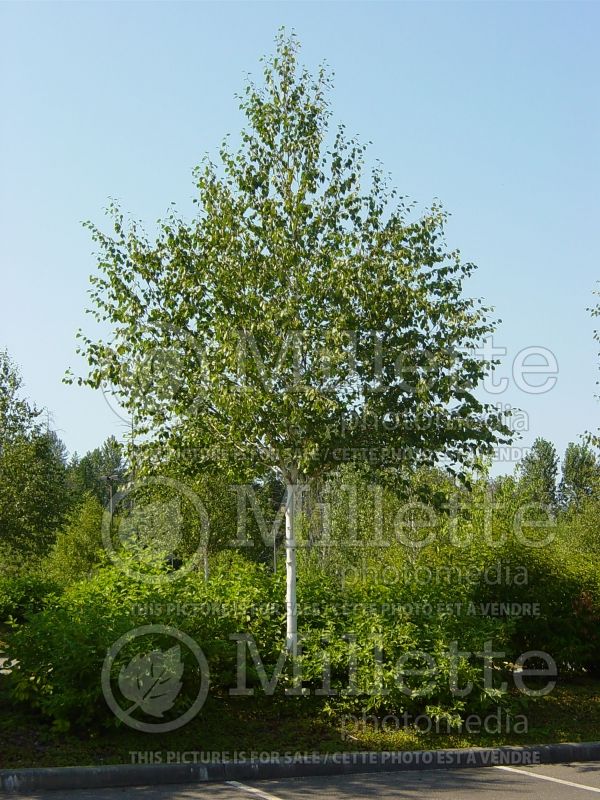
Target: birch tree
<point x="305" y="316"/>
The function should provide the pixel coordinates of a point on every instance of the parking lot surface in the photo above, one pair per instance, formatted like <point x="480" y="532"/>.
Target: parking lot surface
<point x="546" y="782"/>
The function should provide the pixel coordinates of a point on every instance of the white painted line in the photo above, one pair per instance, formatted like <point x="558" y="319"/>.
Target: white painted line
<point x="583" y="786"/>
<point x="256" y="792"/>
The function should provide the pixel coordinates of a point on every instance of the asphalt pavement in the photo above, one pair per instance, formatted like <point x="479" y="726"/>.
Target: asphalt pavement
<point x="546" y="782"/>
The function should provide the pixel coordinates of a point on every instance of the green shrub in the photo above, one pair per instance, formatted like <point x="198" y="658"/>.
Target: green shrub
<point x="564" y="585"/>
<point x="60" y="652"/>
<point x="345" y="597"/>
<point x="23" y="595"/>
<point x="386" y="622"/>
<point x="77" y="549"/>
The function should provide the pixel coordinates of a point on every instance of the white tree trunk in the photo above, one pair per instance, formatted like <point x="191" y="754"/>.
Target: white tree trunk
<point x="290" y="571"/>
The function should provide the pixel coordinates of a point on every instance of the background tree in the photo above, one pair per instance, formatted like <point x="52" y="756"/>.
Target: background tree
<point x="91" y="473"/>
<point x="304" y="296"/>
<point x="538" y="472"/>
<point x="580" y="474"/>
<point x="33" y="493"/>
<point x="17" y="416"/>
<point x="78" y="545"/>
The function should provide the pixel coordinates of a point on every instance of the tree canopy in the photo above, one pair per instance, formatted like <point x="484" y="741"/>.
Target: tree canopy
<point x="580" y="474"/>
<point x="17" y="415"/>
<point x="538" y="473"/>
<point x="96" y="469"/>
<point x="306" y="313"/>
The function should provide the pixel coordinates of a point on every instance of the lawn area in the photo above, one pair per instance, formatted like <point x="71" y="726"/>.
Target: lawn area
<point x="571" y="713"/>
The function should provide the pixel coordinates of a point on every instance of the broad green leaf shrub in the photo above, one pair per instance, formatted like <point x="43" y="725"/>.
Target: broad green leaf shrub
<point x="579" y="525"/>
<point x="563" y="589"/>
<point x="435" y="602"/>
<point x="379" y="624"/>
<point x="61" y="650"/>
<point x="21" y="595"/>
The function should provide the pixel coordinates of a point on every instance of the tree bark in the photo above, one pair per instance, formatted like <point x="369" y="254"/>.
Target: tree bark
<point x="290" y="571"/>
<point x="206" y="566"/>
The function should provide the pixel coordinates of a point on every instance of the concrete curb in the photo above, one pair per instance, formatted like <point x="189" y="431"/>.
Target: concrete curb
<point x="67" y="778"/>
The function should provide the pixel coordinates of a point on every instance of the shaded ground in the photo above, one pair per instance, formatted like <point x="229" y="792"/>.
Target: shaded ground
<point x="571" y="713"/>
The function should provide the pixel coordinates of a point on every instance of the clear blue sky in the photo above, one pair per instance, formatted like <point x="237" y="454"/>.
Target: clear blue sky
<point x="493" y="108"/>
